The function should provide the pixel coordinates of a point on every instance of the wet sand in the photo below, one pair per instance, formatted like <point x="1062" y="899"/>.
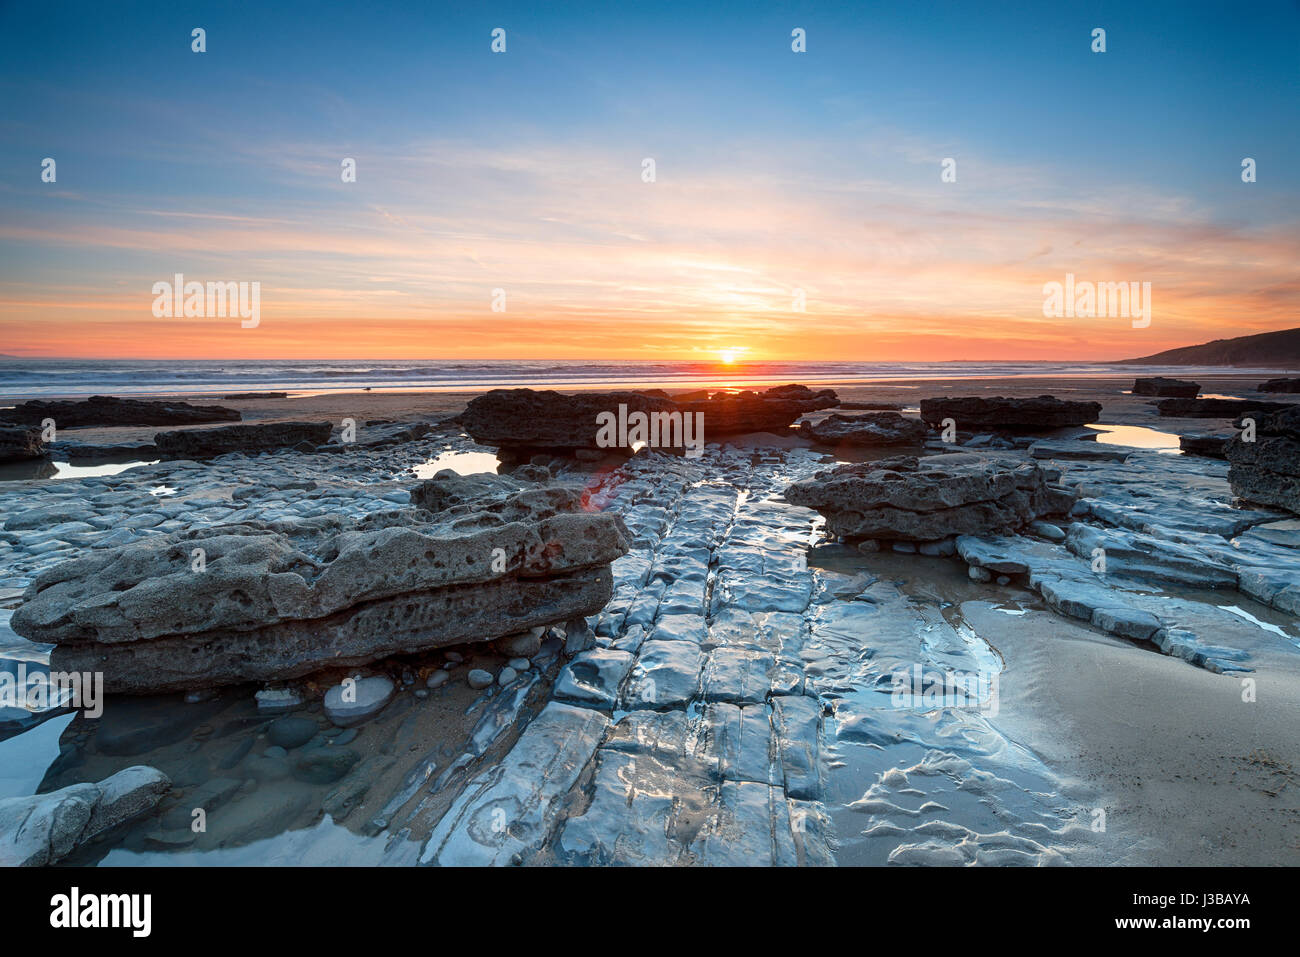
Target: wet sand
<point x="1187" y="772"/>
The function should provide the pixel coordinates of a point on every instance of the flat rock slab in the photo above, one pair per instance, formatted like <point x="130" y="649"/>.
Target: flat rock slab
<point x="594" y="677"/>
<point x="1077" y="449"/>
<point x="797" y="720"/>
<point x="506" y="814"/>
<point x="1148" y="558"/>
<point x="671" y="790"/>
<point x="667" y="674"/>
<point x="747" y="676"/>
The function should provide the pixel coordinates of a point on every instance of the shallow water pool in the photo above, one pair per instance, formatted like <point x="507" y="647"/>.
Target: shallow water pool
<point x="462" y="463"/>
<point x="1137" y="436"/>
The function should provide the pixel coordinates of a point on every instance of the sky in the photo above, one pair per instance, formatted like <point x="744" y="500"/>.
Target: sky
<point x="778" y="175"/>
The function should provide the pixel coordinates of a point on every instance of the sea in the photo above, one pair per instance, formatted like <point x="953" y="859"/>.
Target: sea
<point x="30" y="378"/>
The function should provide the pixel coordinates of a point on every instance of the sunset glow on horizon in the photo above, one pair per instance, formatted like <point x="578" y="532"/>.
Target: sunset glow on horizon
<point x="813" y="225"/>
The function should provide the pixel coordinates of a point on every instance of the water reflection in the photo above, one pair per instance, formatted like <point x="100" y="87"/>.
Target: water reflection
<point x="462" y="463"/>
<point x="325" y="844"/>
<point x="48" y="469"/>
<point x="1138" y="437"/>
<point x="27" y="471"/>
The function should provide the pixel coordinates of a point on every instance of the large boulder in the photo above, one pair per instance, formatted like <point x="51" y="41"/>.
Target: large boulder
<point x="266" y="437"/>
<point x="42" y="829"/>
<point x="285" y="599"/>
<point x="1289" y="386"/>
<point x="528" y="419"/>
<point x="998" y="414"/>
<point x="523" y="420"/>
<point x="881" y="428"/>
<point x="910" y="499"/>
<point x="1267" y="470"/>
<point x="18" y="444"/>
<point x="771" y="411"/>
<point x="1173" y="388"/>
<point x="107" y="410"/>
<point x="1215" y="408"/>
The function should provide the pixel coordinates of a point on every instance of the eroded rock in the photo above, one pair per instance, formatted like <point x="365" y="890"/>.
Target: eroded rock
<point x="1267" y="471"/>
<point x="1001" y="414"/>
<point x="881" y="428"/>
<point x="907" y="499"/>
<point x="267" y="437"/>
<point x="19" y="444"/>
<point x="1215" y="408"/>
<point x="523" y="420"/>
<point x="1172" y="388"/>
<point x="1288" y="386"/>
<point x="281" y="601"/>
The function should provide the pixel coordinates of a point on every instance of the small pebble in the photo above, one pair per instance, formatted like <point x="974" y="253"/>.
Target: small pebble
<point x="507" y="675"/>
<point x="479" y="679"/>
<point x="520" y="664"/>
<point x="438" y="679"/>
<point x="455" y="656"/>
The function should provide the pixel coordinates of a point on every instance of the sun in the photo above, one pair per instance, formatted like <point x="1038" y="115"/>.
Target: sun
<point x="730" y="355"/>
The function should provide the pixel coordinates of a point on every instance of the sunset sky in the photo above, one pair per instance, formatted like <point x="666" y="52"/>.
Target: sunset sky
<point x="776" y="172"/>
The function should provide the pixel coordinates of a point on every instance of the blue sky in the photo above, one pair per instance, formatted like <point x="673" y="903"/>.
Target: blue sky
<point x="816" y="171"/>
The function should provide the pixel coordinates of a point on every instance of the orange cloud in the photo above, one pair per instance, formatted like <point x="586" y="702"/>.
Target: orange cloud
<point x="596" y="264"/>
